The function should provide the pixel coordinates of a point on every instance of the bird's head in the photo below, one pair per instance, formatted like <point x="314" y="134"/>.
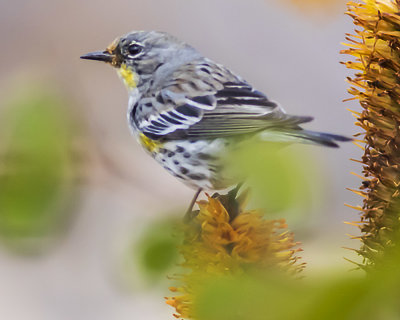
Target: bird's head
<point x="138" y="55"/>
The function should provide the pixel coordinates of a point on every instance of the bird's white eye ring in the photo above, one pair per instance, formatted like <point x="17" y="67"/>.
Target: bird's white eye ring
<point x="134" y="49"/>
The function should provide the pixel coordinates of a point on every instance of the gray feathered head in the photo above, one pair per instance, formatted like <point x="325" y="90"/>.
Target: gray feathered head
<point x="139" y="54"/>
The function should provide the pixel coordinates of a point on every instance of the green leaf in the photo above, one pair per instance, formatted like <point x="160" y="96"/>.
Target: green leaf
<point x="37" y="171"/>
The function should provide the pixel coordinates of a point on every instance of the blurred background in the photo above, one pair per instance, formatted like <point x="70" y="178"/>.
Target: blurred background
<point x="77" y="192"/>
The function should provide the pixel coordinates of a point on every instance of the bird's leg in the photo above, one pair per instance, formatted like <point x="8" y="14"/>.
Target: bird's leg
<point x="189" y="214"/>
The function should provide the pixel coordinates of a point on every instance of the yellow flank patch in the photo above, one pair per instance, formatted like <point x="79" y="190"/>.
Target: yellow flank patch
<point x="148" y="144"/>
<point x="128" y="76"/>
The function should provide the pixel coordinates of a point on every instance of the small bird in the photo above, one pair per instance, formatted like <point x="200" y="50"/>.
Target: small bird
<point x="186" y="109"/>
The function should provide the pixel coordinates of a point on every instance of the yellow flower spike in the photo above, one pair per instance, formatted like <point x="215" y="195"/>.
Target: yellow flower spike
<point x="376" y="48"/>
<point x="218" y="242"/>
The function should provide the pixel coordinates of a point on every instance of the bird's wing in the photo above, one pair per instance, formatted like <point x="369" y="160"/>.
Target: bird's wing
<point x="208" y="101"/>
<point x="240" y="110"/>
<point x="178" y="103"/>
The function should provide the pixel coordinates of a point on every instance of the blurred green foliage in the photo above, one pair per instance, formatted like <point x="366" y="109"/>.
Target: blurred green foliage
<point x="274" y="297"/>
<point x="37" y="170"/>
<point x="157" y="251"/>
<point x="278" y="175"/>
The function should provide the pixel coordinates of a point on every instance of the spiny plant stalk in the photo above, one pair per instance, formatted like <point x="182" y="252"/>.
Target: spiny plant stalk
<point x="225" y="240"/>
<point x="376" y="84"/>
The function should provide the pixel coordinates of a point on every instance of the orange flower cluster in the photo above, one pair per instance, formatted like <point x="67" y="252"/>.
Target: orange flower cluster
<point x="376" y="84"/>
<point x="222" y="242"/>
<point x="315" y="5"/>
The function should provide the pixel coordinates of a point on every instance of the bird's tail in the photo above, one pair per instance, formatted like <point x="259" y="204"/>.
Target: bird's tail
<point x="305" y="136"/>
<point x="322" y="138"/>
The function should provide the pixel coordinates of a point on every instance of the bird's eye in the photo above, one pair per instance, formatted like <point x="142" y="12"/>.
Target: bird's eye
<point x="135" y="49"/>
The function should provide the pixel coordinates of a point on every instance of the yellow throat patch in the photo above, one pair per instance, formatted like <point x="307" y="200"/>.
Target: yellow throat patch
<point x="128" y="76"/>
<point x="148" y="144"/>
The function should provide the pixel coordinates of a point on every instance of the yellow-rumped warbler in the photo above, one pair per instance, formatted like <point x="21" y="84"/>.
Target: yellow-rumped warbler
<point x="186" y="109"/>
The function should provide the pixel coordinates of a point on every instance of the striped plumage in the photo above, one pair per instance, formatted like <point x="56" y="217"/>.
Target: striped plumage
<point x="186" y="109"/>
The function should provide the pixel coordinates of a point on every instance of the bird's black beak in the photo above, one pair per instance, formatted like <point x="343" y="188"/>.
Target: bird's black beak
<point x="104" y="56"/>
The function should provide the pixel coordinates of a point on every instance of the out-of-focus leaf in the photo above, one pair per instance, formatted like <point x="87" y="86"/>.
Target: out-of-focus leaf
<point x="277" y="176"/>
<point x="330" y="297"/>
<point x="37" y="171"/>
<point x="157" y="250"/>
<point x="251" y="297"/>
